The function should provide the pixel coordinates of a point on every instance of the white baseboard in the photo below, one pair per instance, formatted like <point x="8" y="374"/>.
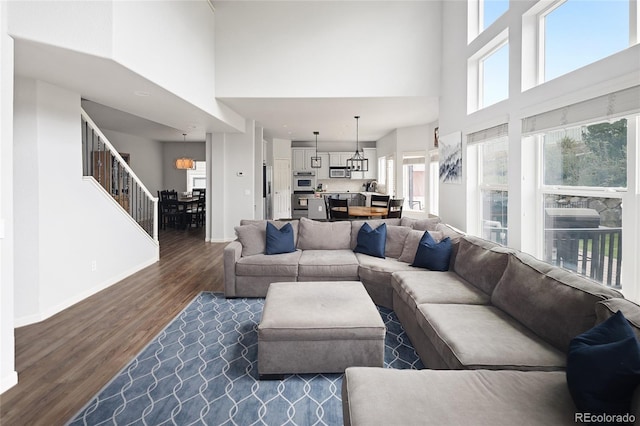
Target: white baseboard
<point x="8" y="381"/>
<point x="41" y="316"/>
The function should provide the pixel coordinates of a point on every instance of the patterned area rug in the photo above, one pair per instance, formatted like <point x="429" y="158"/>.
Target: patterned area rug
<point x="202" y="369"/>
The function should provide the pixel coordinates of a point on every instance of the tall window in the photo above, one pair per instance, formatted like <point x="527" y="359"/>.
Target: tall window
<point x="490" y="10"/>
<point x="575" y="33"/>
<point x="584" y="174"/>
<point x="386" y="174"/>
<point x="382" y="171"/>
<point x="488" y="73"/>
<point x="493" y="156"/>
<point x="583" y="182"/>
<point x="413" y="180"/>
<point x="391" y="174"/>
<point x="483" y="13"/>
<point x="494" y="76"/>
<point x="197" y="178"/>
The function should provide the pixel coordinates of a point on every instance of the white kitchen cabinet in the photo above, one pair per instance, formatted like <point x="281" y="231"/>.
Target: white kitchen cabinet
<point x="339" y="159"/>
<point x="302" y="158"/>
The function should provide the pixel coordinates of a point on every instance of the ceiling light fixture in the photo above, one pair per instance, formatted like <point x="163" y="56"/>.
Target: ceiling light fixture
<point x="184" y="162"/>
<point x="316" y="162"/>
<point x="357" y="163"/>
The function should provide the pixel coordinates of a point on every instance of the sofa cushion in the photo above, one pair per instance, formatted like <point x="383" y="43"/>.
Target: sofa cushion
<point x="328" y="265"/>
<point x="432" y="255"/>
<point x="252" y="238"/>
<point x="481" y="262"/>
<point x="411" y="243"/>
<point x="372" y="241"/>
<point x="252" y="234"/>
<point x="631" y="311"/>
<point x="373" y="269"/>
<point x="428" y="224"/>
<point x="484" y="337"/>
<point x="560" y="304"/>
<point x="420" y="286"/>
<point x="279" y="265"/>
<point x="279" y="240"/>
<point x="314" y="235"/>
<point x="603" y="367"/>
<point x="384" y="396"/>
<point x="396" y="237"/>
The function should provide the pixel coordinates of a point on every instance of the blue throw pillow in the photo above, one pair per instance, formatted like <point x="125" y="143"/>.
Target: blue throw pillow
<point x="603" y="367"/>
<point x="432" y="255"/>
<point x="372" y="241"/>
<point x="279" y="240"/>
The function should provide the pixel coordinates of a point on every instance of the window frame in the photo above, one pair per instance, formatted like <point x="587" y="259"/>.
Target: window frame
<point x="475" y="71"/>
<point x="625" y="194"/>
<point x="405" y="187"/>
<point x="534" y="40"/>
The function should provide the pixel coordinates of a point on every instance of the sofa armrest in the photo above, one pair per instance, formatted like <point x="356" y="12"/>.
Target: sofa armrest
<point x="232" y="253"/>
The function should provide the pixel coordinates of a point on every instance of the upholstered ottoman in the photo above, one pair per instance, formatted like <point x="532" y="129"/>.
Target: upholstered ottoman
<point x="318" y="327"/>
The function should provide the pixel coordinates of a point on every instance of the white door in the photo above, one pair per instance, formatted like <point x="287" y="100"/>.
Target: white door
<point x="281" y="188"/>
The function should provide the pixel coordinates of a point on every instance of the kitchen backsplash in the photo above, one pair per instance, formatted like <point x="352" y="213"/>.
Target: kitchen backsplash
<point x="343" y="185"/>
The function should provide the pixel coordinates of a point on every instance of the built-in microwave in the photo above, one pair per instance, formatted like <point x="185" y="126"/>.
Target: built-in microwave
<point x="339" y="172"/>
<point x="304" y="181"/>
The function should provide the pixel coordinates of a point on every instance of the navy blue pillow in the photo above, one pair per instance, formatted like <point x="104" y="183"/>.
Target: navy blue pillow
<point x="372" y="241"/>
<point x="432" y="255"/>
<point x="279" y="240"/>
<point x="603" y="367"/>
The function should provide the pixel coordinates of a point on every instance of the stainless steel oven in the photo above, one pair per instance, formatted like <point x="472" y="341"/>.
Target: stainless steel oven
<point x="300" y="203"/>
<point x="304" y="181"/>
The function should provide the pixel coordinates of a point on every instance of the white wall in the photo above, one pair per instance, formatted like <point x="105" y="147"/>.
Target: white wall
<point x="171" y="151"/>
<point x="169" y="47"/>
<point x="8" y="374"/>
<point x="141" y="54"/>
<point x="76" y="24"/>
<point x="146" y="157"/>
<point x="71" y="232"/>
<point x="322" y="49"/>
<point x="232" y="167"/>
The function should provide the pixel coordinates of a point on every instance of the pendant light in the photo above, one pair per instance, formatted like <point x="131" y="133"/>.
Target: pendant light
<point x="184" y="162"/>
<point x="316" y="162"/>
<point x="357" y="163"/>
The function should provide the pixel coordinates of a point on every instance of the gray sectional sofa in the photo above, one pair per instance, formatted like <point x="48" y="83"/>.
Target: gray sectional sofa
<point x="493" y="331"/>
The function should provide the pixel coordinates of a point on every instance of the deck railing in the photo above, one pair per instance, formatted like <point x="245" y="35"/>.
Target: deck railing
<point x="594" y="252"/>
<point x="103" y="162"/>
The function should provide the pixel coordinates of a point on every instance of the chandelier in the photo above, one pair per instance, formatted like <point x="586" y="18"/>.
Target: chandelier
<point x="316" y="162"/>
<point x="184" y="162"/>
<point x="357" y="162"/>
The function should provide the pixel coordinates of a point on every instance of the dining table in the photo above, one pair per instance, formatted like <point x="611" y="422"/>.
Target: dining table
<point x="363" y="211"/>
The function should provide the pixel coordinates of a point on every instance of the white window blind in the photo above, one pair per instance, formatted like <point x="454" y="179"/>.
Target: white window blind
<point x="495" y="132"/>
<point x="609" y="106"/>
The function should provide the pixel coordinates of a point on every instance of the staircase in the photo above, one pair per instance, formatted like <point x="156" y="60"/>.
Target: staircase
<point x="102" y="161"/>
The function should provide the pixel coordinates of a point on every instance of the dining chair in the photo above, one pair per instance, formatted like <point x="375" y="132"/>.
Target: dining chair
<point x="174" y="214"/>
<point x="198" y="193"/>
<point x="339" y="215"/>
<point x="380" y="200"/>
<point x="395" y="208"/>
<point x="195" y="214"/>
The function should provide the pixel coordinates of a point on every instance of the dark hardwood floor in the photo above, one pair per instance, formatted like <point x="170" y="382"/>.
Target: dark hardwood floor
<point x="63" y="361"/>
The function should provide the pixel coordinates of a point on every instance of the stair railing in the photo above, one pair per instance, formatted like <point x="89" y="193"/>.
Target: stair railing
<point x="102" y="161"/>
